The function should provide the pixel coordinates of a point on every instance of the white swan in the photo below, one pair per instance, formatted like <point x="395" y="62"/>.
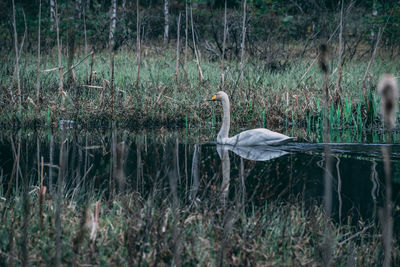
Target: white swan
<point x="255" y="137"/>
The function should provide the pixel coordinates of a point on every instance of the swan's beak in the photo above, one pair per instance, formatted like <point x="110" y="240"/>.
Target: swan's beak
<point x="213" y="98"/>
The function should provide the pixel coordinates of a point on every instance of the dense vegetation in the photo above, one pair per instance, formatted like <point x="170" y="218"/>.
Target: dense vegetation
<point x="131" y="230"/>
<point x="279" y="77"/>
<point x="264" y="98"/>
<point x="268" y="22"/>
<point x="82" y="69"/>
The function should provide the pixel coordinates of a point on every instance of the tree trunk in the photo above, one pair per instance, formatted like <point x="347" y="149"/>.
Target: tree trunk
<point x="113" y="18"/>
<point x="71" y="49"/>
<point x="338" y="90"/>
<point x="16" y="56"/>
<point x="86" y="46"/>
<point x="38" y="57"/>
<point x="60" y="68"/>
<point x="223" y="49"/>
<point x="78" y="8"/>
<point x="177" y="46"/>
<point x="243" y="40"/>
<point x="166" y="21"/>
<point x="186" y="39"/>
<point x="138" y="42"/>
<point x="113" y="21"/>
<point x="75" y="17"/>
<point x="200" y="77"/>
<point x="124" y="22"/>
<point x="52" y="14"/>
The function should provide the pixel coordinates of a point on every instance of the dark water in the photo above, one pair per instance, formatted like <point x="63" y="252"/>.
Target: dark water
<point x="108" y="162"/>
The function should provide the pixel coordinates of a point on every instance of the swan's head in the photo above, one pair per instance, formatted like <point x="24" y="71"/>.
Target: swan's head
<point x="219" y="96"/>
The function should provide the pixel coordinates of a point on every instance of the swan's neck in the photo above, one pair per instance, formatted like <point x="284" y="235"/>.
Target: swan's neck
<point x="226" y="120"/>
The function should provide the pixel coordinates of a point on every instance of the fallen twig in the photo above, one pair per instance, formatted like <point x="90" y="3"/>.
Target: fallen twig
<point x="49" y="70"/>
<point x="74" y="66"/>
<point x="93" y="86"/>
<point x="355" y="235"/>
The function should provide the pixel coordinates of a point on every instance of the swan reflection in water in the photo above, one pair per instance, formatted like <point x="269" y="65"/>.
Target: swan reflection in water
<point x="255" y="153"/>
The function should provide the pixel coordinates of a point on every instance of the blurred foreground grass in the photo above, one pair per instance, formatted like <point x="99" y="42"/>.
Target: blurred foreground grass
<point x="130" y="229"/>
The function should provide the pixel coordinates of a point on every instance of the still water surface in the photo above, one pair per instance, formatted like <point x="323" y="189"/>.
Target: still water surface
<point x="107" y="162"/>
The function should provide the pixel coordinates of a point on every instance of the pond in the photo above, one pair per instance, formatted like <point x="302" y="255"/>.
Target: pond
<point x="186" y="167"/>
<point x="108" y="161"/>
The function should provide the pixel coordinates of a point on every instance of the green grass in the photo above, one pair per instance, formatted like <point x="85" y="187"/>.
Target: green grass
<point x="263" y="98"/>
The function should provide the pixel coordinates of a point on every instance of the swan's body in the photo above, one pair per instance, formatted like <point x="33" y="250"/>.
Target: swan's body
<point x="254" y="137"/>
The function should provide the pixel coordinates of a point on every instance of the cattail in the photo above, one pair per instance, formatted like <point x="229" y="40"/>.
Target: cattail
<point x="323" y="49"/>
<point x="323" y="64"/>
<point x="389" y="92"/>
<point x="92" y="223"/>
